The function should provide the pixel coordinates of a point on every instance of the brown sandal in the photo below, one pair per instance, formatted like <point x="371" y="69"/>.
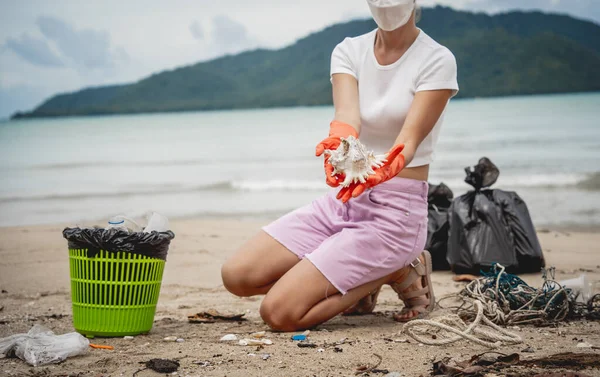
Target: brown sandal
<point x="414" y="300"/>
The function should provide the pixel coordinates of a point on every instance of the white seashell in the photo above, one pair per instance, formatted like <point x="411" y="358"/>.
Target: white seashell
<point x="255" y="342"/>
<point x="260" y="334"/>
<point x="228" y="338"/>
<point x="352" y="159"/>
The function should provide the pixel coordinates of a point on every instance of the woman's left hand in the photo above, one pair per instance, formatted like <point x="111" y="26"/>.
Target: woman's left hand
<point x="394" y="164"/>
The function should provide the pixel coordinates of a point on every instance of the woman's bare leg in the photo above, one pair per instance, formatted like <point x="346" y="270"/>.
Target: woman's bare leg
<point x="304" y="298"/>
<point x="257" y="265"/>
<point x="366" y="305"/>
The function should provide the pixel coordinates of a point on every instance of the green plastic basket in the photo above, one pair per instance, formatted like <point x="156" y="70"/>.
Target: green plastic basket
<point x="114" y="294"/>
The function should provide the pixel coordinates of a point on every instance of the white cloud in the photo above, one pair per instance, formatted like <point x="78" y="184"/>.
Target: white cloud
<point x="230" y="36"/>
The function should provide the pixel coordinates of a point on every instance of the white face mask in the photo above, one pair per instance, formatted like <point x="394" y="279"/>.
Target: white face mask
<point x="391" y="14"/>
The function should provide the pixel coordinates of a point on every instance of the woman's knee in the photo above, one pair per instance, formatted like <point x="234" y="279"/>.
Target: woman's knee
<point x="234" y="278"/>
<point x="277" y="316"/>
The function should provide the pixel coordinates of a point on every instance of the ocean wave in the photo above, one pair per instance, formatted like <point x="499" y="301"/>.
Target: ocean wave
<point x="543" y="181"/>
<point x="116" y="194"/>
<point x="280" y="185"/>
<point x="589" y="182"/>
<point x="233" y="186"/>
<point x="141" y="164"/>
<point x="549" y="181"/>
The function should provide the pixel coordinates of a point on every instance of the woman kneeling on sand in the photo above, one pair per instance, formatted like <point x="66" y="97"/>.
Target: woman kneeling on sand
<point x="390" y="89"/>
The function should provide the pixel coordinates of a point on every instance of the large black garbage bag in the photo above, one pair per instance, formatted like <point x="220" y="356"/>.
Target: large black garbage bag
<point x="490" y="226"/>
<point x="439" y="199"/>
<point x="152" y="244"/>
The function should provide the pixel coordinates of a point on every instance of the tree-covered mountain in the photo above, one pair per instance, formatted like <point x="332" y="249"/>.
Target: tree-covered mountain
<point x="506" y="54"/>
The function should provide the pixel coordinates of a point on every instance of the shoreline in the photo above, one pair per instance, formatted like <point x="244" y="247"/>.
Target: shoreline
<point x="29" y="115"/>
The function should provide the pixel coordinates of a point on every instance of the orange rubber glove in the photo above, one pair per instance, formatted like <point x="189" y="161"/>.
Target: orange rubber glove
<point x="337" y="130"/>
<point x="391" y="168"/>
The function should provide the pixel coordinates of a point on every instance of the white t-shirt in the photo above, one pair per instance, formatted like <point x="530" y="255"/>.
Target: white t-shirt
<point x="386" y="92"/>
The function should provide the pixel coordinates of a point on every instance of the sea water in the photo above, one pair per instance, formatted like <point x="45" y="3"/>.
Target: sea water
<point x="259" y="164"/>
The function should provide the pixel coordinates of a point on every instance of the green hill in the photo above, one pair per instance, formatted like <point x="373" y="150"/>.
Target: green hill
<point x="507" y="54"/>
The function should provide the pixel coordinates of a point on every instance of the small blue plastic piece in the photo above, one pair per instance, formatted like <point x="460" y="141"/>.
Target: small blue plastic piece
<point x="299" y="337"/>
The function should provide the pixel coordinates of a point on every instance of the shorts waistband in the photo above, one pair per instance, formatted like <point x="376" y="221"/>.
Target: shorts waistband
<point x="412" y="186"/>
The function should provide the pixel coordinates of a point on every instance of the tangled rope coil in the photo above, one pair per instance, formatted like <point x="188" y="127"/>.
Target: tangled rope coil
<point x="486" y="334"/>
<point x="508" y="300"/>
<point x="502" y="299"/>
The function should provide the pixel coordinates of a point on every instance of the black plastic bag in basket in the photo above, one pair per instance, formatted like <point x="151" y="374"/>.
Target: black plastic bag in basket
<point x="491" y="226"/>
<point x="152" y="244"/>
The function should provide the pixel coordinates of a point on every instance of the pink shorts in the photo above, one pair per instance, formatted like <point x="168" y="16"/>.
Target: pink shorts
<point x="371" y="236"/>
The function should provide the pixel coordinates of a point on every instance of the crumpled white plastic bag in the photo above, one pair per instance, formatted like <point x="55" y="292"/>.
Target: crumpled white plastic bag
<point x="41" y="346"/>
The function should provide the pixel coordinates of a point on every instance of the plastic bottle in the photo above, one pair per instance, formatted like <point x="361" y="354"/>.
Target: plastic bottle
<point x="580" y="285"/>
<point x="117" y="223"/>
<point x="123" y="223"/>
<point x="157" y="223"/>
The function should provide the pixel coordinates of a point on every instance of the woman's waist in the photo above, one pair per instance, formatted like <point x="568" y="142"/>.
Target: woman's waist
<point x="405" y="184"/>
<point x="418" y="173"/>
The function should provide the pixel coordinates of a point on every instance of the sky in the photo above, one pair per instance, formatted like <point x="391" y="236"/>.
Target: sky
<point x="49" y="47"/>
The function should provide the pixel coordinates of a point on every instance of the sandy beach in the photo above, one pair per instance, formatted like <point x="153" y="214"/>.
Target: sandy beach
<point x="223" y="116"/>
<point x="34" y="281"/>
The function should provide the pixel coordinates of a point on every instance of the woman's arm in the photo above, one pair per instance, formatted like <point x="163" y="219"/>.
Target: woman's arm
<point x="426" y="109"/>
<point x="345" y="99"/>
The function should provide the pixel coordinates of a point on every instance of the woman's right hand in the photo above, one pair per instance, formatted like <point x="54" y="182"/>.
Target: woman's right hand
<point x="337" y="130"/>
